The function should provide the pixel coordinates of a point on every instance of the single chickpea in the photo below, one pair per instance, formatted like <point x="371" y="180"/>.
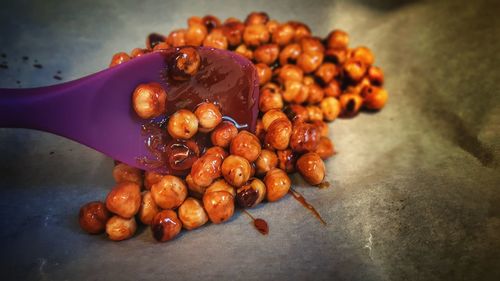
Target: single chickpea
<point x="289" y="54"/>
<point x="375" y="75"/>
<point x="311" y="168"/>
<point x="336" y="56"/>
<point x="322" y="128"/>
<point x="255" y="35"/>
<point x="251" y="194"/>
<point x="217" y="151"/>
<point x="326" y="72"/>
<point x="257" y="18"/>
<point x="374" y="98"/>
<point x="211" y="22"/>
<point x="124" y="199"/>
<point x="198" y="190"/>
<point x="286" y="160"/>
<point x="137" y="52"/>
<point x="266" y="161"/>
<point x="186" y="64"/>
<point x="119" y="228"/>
<point x="259" y="131"/>
<point x="119" y="58"/>
<point x="216" y="39"/>
<point x="272" y="25"/>
<point x="151" y="178"/>
<point x="332" y="89"/>
<point x="149" y="100"/>
<point x="165" y="225"/>
<point x="219" y="206"/>
<point x="264" y="73"/>
<point x="221" y="185"/>
<point x="277" y="184"/>
<point x="290" y="72"/>
<point x="350" y="104"/>
<point x="278" y="134"/>
<point x="364" y="55"/>
<point x="183" y="124"/>
<point x="267" y="53"/>
<point x="292" y="90"/>
<point x="316" y="94"/>
<point x="223" y="134"/>
<point x="123" y="172"/>
<point x="296" y="113"/>
<point x="161" y="46"/>
<point x="208" y="115"/>
<point x="148" y="209"/>
<point x="195" y="20"/>
<point x="315" y="113"/>
<point x="309" y="62"/>
<point x="304" y="138"/>
<point x="283" y="34"/>
<point x="325" y="148"/>
<point x="337" y="39"/>
<point x="234" y="32"/>
<point x="169" y="192"/>
<point x="181" y="154"/>
<point x="270" y="99"/>
<point x="206" y="169"/>
<point x="177" y="38"/>
<point x="195" y="34"/>
<point x="244" y="51"/>
<point x="330" y="107"/>
<point x="311" y="45"/>
<point x="354" y="70"/>
<point x="246" y="145"/>
<point x="301" y="30"/>
<point x="271" y="86"/>
<point x="192" y="214"/>
<point x="270" y="116"/>
<point x="236" y="170"/>
<point x="93" y="217"/>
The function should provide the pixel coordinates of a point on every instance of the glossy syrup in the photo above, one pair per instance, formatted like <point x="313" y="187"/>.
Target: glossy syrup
<point x="306" y="204"/>
<point x="259" y="224"/>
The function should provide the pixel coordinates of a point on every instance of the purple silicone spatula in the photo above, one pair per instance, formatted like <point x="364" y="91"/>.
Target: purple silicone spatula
<point x="97" y="110"/>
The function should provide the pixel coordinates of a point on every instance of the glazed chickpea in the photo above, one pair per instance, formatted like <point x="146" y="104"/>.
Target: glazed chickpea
<point x="183" y="124"/>
<point x="266" y="161"/>
<point x="148" y="209"/>
<point x="186" y="64"/>
<point x="124" y="199"/>
<point x="198" y="190"/>
<point x="177" y="38"/>
<point x="93" y="217"/>
<point x="151" y="178"/>
<point x="309" y="62"/>
<point x="272" y="25"/>
<point x="290" y="72"/>
<point x="336" y="56"/>
<point x="251" y="194"/>
<point x="290" y="54"/>
<point x="236" y="170"/>
<point x="219" y="206"/>
<point x="246" y="145"/>
<point x="264" y="73"/>
<point x="311" y="168"/>
<point x="296" y="113"/>
<point x="211" y="22"/>
<point x="195" y="34"/>
<point x="375" y="75"/>
<point x="278" y="134"/>
<point x="311" y="45"/>
<point x="363" y="54"/>
<point x="260" y="133"/>
<point x="119" y="58"/>
<point x="206" y="169"/>
<point x="292" y="90"/>
<point x="154" y="39"/>
<point x="169" y="192"/>
<point x="337" y="39"/>
<point x="301" y="30"/>
<point x="315" y="113"/>
<point x="208" y="115"/>
<point x="255" y="35"/>
<point x="308" y="80"/>
<point x="283" y="34"/>
<point x="315" y="94"/>
<point x="217" y="151"/>
<point x="358" y="88"/>
<point x="257" y="18"/>
<point x="232" y="19"/>
<point x="325" y="148"/>
<point x="374" y="98"/>
<point x="270" y="116"/>
<point x="286" y="160"/>
<point x="223" y="134"/>
<point x="123" y="172"/>
<point x="304" y="138"/>
<point x="234" y="32"/>
<point x="330" y="107"/>
<point x="137" y="52"/>
<point x="244" y="51"/>
<point x="354" y="70"/>
<point x="350" y="104"/>
<point x="181" y="154"/>
<point x="277" y="184"/>
<point x="322" y="128"/>
<point x="326" y="72"/>
<point x="165" y="225"/>
<point x="161" y="46"/>
<point x="221" y="185"/>
<point x="267" y="53"/>
<point x="332" y="89"/>
<point x="149" y="100"/>
<point x="195" y="20"/>
<point x="216" y="39"/>
<point x="270" y="99"/>
<point x="192" y="214"/>
<point x="119" y="228"/>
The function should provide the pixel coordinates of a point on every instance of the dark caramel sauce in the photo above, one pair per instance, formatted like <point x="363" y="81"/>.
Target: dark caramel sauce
<point x="306" y="204"/>
<point x="259" y="224"/>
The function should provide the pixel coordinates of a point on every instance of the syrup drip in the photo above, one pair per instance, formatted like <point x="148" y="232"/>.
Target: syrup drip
<point x="306" y="204"/>
<point x="259" y="224"/>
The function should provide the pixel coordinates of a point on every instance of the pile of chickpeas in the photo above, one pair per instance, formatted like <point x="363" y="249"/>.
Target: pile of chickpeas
<point x="304" y="80"/>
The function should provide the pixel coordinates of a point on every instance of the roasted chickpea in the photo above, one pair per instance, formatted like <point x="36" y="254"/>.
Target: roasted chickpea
<point x="195" y="20"/>
<point x="119" y="228"/>
<point x="183" y="124"/>
<point x="181" y="154"/>
<point x="257" y="18"/>
<point x="309" y="62"/>
<point x="165" y="225"/>
<point x="217" y="151"/>
<point x="260" y="133"/>
<point x="290" y="72"/>
<point x="325" y="148"/>
<point x="266" y="161"/>
<point x="124" y="199"/>
<point x="270" y="99"/>
<point x="161" y="46"/>
<point x="322" y="128"/>
<point x="177" y="38"/>
<point x="354" y="70"/>
<point x="311" y="45"/>
<point x="151" y="178"/>
<point x="234" y="32"/>
<point x="286" y="160"/>
<point x="336" y="56"/>
<point x="192" y="214"/>
<point x="278" y="134"/>
<point x="283" y="34"/>
<point x="277" y="184"/>
<point x="375" y="75"/>
<point x="301" y="30"/>
<point x="148" y="208"/>
<point x="206" y="169"/>
<point x="223" y="134"/>
<point x="186" y="63"/>
<point x="244" y="51"/>
<point x="315" y="113"/>
<point x="211" y="22"/>
<point x="270" y="116"/>
<point x="296" y="113"/>
<point x="255" y="35"/>
<point x="123" y="172"/>
<point x="315" y="94"/>
<point x="246" y="145"/>
<point x="169" y="192"/>
<point x="326" y="72"/>
<point x="363" y="54"/>
<point x="208" y="115"/>
<point x="93" y="217"/>
<point x="137" y="52"/>
<point x="149" y="100"/>
<point x="358" y="88"/>
<point x="290" y="54"/>
<point x="194" y="189"/>
<point x="311" y="168"/>
<point x="292" y="90"/>
<point x="272" y="25"/>
<point x="219" y="205"/>
<point x="304" y="138"/>
<point x="251" y="194"/>
<point x="119" y="58"/>
<point x="374" y="98"/>
<point x="264" y="73"/>
<point x="221" y="185"/>
<point x="350" y="104"/>
<point x="216" y="39"/>
<point x="236" y="170"/>
<point x="332" y="89"/>
<point x="195" y="34"/>
<point x="330" y="107"/>
<point x="267" y="53"/>
<point x="154" y="39"/>
<point x="337" y="39"/>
